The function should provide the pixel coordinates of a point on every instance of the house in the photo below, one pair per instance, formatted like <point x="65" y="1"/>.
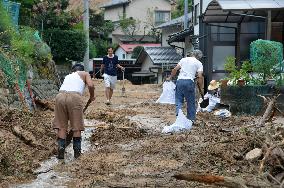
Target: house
<point x="226" y="28"/>
<point x="169" y="28"/>
<point x="221" y="28"/>
<point x="154" y="61"/>
<point x="124" y="51"/>
<point x="146" y="13"/>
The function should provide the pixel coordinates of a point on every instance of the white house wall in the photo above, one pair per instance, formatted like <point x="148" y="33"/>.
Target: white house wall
<point x="128" y="56"/>
<point x="114" y="13"/>
<point x="139" y="10"/>
<point x="119" y="52"/>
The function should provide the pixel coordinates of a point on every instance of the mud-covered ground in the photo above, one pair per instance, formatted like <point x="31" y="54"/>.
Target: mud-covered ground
<point x="128" y="149"/>
<point x="25" y="140"/>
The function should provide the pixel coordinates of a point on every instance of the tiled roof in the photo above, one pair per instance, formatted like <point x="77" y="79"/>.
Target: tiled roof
<point x="129" y="47"/>
<point x="160" y="55"/>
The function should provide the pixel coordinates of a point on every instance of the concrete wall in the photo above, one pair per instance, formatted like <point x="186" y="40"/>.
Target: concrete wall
<point x="146" y="64"/>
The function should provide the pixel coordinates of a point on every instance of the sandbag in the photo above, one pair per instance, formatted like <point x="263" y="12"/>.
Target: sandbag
<point x="168" y="94"/>
<point x="181" y="124"/>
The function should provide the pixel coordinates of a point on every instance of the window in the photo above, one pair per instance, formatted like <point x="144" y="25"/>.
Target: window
<point x="161" y="17"/>
<point x="196" y="14"/>
<point x="123" y="56"/>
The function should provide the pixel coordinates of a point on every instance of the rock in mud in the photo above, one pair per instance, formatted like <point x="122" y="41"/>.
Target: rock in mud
<point x="253" y="154"/>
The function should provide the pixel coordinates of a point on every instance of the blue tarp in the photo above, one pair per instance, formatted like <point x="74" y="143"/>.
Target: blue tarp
<point x="14" y="9"/>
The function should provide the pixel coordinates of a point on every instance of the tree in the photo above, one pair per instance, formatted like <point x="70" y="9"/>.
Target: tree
<point x="131" y="27"/>
<point x="99" y="32"/>
<point x="99" y="28"/>
<point x="136" y="51"/>
<point x="179" y="11"/>
<point x="52" y="14"/>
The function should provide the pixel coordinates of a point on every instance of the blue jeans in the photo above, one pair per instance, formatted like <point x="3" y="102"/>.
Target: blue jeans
<point x="185" y="88"/>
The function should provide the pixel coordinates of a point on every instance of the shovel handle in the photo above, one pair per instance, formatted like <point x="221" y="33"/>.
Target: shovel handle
<point x="87" y="105"/>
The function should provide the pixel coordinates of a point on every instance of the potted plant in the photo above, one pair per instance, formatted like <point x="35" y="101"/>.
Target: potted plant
<point x="238" y="76"/>
<point x="224" y="82"/>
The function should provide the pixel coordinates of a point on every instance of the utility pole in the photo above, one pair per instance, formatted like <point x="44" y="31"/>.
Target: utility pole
<point x="86" y="30"/>
<point x="187" y="45"/>
<point x="185" y="14"/>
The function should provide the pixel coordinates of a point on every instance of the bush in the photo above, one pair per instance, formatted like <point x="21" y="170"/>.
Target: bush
<point x="264" y="56"/>
<point x="66" y="44"/>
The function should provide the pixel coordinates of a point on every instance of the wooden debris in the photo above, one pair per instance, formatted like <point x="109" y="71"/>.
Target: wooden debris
<point x="27" y="137"/>
<point x="267" y="155"/>
<point x="231" y="182"/>
<point x="44" y="104"/>
<point x="270" y="108"/>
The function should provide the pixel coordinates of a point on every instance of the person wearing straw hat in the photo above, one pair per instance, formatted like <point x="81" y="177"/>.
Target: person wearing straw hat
<point x="213" y="95"/>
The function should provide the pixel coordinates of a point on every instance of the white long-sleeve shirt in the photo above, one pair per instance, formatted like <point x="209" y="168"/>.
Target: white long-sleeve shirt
<point x="213" y="100"/>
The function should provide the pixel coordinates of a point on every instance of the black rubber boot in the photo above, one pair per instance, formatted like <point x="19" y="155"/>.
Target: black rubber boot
<point x="61" y="148"/>
<point x="77" y="146"/>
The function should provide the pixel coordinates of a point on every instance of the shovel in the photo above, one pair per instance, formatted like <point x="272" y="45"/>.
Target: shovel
<point x="69" y="135"/>
<point x="123" y="85"/>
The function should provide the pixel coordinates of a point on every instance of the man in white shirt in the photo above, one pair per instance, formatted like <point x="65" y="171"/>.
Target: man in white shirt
<point x="185" y="87"/>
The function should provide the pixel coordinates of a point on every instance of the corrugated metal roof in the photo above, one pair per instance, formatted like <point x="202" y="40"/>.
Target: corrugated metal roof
<point x="237" y="11"/>
<point x="115" y="3"/>
<point x="250" y="4"/>
<point x="176" y="21"/>
<point x="163" y="55"/>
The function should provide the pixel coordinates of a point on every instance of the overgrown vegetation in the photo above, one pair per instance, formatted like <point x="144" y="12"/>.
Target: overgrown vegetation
<point x="19" y="49"/>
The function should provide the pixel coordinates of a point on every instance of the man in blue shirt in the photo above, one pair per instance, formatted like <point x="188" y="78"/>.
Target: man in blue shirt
<point x="110" y="65"/>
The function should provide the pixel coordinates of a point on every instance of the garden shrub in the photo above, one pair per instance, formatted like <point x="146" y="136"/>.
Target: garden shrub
<point x="265" y="55"/>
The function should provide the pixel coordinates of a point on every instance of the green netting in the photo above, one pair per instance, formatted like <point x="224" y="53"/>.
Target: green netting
<point x="15" y="71"/>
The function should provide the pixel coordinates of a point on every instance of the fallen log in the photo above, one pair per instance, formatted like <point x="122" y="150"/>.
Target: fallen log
<point x="231" y="182"/>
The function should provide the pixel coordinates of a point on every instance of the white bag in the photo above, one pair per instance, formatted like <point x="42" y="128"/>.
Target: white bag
<point x="168" y="95"/>
<point x="181" y="124"/>
<point x="223" y="113"/>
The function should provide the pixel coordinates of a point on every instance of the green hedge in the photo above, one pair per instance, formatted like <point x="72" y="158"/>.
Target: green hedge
<point x="265" y="55"/>
<point x="66" y="44"/>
